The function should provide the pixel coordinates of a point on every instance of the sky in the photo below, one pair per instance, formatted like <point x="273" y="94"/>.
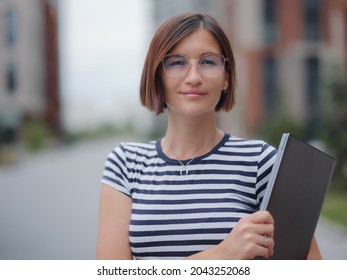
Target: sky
<point x="103" y="44"/>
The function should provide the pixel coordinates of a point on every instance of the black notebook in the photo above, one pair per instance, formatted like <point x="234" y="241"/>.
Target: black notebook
<point x="295" y="194"/>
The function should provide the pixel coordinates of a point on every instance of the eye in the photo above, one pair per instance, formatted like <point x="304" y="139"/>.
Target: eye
<point x="176" y="61"/>
<point x="209" y="60"/>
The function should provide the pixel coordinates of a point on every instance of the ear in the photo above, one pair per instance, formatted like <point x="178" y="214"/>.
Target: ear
<point x="225" y="85"/>
<point x="226" y="82"/>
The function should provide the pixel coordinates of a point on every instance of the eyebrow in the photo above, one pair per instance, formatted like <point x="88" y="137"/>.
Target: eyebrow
<point x="203" y="54"/>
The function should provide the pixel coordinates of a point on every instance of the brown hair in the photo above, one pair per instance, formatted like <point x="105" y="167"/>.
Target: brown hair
<point x="166" y="37"/>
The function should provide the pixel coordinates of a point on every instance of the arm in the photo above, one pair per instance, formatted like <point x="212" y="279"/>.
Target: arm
<point x="314" y="253"/>
<point x="114" y="219"/>
<point x="245" y="241"/>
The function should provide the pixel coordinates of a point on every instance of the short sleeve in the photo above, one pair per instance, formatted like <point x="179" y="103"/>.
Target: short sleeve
<point x="265" y="163"/>
<point x="115" y="172"/>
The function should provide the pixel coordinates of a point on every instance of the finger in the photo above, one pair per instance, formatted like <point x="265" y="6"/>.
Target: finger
<point x="262" y="217"/>
<point x="263" y="252"/>
<point x="265" y="241"/>
<point x="265" y="229"/>
<point x="265" y="246"/>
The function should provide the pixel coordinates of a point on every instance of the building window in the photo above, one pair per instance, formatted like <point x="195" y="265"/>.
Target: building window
<point x="11" y="78"/>
<point x="312" y="66"/>
<point x="270" y="79"/>
<point x="270" y="21"/>
<point x="312" y="15"/>
<point x="10" y="27"/>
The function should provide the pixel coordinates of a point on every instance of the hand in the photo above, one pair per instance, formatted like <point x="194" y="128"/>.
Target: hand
<point x="252" y="237"/>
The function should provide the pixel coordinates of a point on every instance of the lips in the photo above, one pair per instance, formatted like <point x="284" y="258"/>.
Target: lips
<point x="192" y="93"/>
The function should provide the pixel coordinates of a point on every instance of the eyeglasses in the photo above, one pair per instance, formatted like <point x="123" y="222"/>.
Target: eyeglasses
<point x="178" y="65"/>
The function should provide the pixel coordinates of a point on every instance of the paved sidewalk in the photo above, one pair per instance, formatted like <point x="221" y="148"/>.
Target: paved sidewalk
<point x="49" y="206"/>
<point x="332" y="240"/>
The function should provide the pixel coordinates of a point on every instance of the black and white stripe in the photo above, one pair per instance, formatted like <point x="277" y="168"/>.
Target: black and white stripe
<point x="175" y="216"/>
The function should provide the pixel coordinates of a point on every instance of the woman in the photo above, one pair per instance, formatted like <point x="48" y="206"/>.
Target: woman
<point x="194" y="193"/>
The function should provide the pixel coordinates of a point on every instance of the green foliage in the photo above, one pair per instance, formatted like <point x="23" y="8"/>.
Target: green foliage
<point x="334" y="133"/>
<point x="123" y="130"/>
<point x="334" y="207"/>
<point x="35" y="134"/>
<point x="273" y="129"/>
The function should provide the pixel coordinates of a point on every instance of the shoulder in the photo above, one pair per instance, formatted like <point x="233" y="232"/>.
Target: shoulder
<point x="134" y="149"/>
<point x="252" y="149"/>
<point x="137" y="146"/>
<point x="247" y="143"/>
<point x="123" y="158"/>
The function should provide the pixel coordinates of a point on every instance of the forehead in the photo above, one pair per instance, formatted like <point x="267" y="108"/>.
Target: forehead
<point x="196" y="43"/>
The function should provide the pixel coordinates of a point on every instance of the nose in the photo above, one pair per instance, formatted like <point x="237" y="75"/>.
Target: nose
<point x="193" y="76"/>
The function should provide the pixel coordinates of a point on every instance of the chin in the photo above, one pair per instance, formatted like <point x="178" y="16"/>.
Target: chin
<point x="193" y="112"/>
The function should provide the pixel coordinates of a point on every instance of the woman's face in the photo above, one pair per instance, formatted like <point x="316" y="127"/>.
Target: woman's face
<point x="194" y="93"/>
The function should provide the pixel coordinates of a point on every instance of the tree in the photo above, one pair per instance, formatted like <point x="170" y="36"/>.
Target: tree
<point x="335" y="127"/>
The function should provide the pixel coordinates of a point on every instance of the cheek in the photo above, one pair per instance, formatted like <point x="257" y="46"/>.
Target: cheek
<point x="216" y="86"/>
<point x="169" y="85"/>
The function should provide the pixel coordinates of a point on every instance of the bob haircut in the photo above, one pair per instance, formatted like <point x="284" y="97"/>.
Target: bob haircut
<point x="166" y="37"/>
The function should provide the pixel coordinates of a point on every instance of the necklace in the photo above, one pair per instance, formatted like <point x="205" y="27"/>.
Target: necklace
<point x="184" y="167"/>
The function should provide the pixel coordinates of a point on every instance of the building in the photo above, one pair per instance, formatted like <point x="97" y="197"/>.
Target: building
<point x="285" y="51"/>
<point x="29" y="64"/>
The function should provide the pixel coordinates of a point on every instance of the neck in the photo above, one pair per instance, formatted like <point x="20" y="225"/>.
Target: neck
<point x="187" y="139"/>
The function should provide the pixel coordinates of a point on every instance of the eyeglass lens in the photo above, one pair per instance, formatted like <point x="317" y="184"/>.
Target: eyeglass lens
<point x="177" y="65"/>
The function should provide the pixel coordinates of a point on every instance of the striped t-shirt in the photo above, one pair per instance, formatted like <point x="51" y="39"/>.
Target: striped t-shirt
<point x="174" y="215"/>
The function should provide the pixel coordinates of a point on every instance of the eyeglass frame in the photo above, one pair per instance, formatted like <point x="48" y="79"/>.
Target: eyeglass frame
<point x="224" y="61"/>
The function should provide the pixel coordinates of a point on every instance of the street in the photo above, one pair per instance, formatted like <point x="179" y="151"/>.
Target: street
<point x="49" y="206"/>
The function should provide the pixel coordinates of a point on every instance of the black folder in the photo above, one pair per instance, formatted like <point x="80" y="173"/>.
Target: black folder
<point x="296" y="190"/>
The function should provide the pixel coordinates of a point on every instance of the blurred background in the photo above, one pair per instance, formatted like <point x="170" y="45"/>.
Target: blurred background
<point x="69" y="93"/>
